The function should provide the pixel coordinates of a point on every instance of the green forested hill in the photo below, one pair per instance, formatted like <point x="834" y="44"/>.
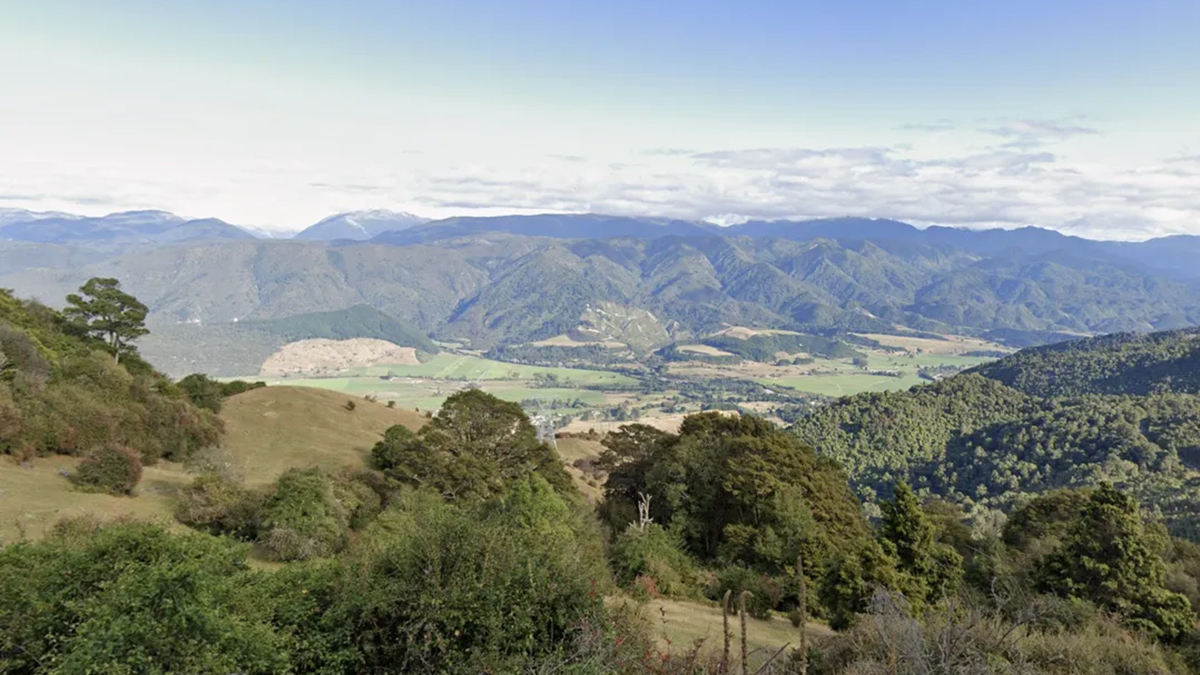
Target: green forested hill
<point x="1075" y="415"/>
<point x="359" y="321"/>
<point x="1123" y="363"/>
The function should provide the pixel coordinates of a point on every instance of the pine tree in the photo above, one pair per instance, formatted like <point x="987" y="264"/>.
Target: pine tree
<point x="106" y="312"/>
<point x="927" y="568"/>
<point x="1108" y="559"/>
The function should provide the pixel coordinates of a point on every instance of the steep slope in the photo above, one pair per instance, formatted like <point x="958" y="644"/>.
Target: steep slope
<point x="268" y="431"/>
<point x="498" y="288"/>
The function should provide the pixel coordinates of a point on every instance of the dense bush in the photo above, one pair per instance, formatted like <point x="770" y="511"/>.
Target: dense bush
<point x="474" y="448"/>
<point x="302" y="518"/>
<point x="735" y="489"/>
<point x="219" y="505"/>
<point x="131" y="598"/>
<point x="653" y="554"/>
<point x="974" y="639"/>
<point x="110" y="468"/>
<point x="442" y="588"/>
<point x="61" y="391"/>
<point x="209" y="394"/>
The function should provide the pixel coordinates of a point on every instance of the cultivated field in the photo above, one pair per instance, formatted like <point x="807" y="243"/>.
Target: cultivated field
<point x="953" y="344"/>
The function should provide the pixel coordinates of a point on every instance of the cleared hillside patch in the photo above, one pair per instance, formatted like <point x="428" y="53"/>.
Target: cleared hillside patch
<point x="35" y="495"/>
<point x="273" y="429"/>
<point x="320" y="355"/>
<point x="268" y="431"/>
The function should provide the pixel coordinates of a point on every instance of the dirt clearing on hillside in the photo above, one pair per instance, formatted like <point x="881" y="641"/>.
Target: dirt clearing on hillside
<point x="321" y="356"/>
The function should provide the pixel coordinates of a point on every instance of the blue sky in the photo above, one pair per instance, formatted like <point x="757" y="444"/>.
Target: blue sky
<point x="1084" y="116"/>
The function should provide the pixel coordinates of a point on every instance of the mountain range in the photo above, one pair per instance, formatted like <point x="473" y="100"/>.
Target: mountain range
<point x="511" y="280"/>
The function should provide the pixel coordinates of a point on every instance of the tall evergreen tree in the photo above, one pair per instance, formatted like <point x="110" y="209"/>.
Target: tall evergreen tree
<point x="1108" y="559"/>
<point x="927" y="567"/>
<point x="105" y="311"/>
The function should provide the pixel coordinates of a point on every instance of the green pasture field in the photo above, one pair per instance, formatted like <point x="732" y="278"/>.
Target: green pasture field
<point x="845" y="385"/>
<point x="446" y="366"/>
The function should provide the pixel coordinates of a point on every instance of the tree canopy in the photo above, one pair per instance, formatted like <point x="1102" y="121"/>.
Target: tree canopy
<point x="102" y="310"/>
<point x="476" y="446"/>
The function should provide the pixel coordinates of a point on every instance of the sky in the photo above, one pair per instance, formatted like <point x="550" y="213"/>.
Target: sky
<point x="1079" y="116"/>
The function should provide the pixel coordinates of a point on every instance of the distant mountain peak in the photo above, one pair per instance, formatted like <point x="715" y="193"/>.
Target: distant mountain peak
<point x="360" y="225"/>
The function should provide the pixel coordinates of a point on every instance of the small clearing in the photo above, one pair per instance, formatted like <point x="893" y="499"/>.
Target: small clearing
<point x="745" y="333"/>
<point x="318" y="356"/>
<point x="681" y="625"/>
<point x="703" y="349"/>
<point x="953" y="344"/>
<point x="568" y="341"/>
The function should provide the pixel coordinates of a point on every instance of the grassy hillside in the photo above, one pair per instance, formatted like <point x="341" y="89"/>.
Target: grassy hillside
<point x="268" y="431"/>
<point x="272" y="429"/>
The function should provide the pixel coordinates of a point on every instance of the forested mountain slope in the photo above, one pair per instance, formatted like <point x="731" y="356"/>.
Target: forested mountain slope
<point x="498" y="288"/>
<point x="1076" y="414"/>
<point x="1122" y="363"/>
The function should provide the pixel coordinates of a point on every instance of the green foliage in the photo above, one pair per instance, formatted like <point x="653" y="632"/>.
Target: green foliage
<point x="968" y="636"/>
<point x="1122" y="363"/>
<point x="1107" y="558"/>
<point x="444" y="588"/>
<point x="979" y="443"/>
<point x="105" y="312"/>
<point x="763" y="348"/>
<point x="219" y="505"/>
<point x="849" y="581"/>
<point x="475" y="447"/>
<point x="927" y="568"/>
<point x="359" y="321"/>
<point x="653" y="553"/>
<point x="58" y="394"/>
<point x="209" y="394"/>
<point x="130" y="598"/>
<point x="110" y="468"/>
<point x="734" y="489"/>
<point x="765" y="590"/>
<point x="302" y="517"/>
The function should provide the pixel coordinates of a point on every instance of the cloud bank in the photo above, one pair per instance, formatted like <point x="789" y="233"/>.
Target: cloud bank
<point x="1020" y="178"/>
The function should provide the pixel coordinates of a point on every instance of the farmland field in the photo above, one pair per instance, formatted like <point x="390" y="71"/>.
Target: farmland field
<point x="446" y="366"/>
<point x="845" y="384"/>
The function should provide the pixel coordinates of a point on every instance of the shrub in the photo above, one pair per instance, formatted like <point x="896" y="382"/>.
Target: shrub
<point x="302" y="518"/>
<point x="765" y="591"/>
<point x="653" y="554"/>
<point x="219" y="505"/>
<point x="131" y="598"/>
<point x="443" y="588"/>
<point x="111" y="468"/>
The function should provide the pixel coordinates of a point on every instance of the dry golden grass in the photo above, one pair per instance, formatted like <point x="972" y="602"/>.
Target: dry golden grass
<point x="268" y="431"/>
<point x="273" y="429"/>
<point x="34" y="496"/>
<point x="953" y="344"/>
<point x="568" y="341"/>
<point x="704" y="349"/>
<point x="745" y="333"/>
<point x="680" y="624"/>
